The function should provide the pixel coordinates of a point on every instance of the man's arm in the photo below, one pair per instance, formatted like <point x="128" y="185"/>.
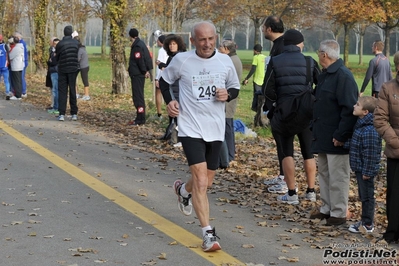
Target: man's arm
<point x="166" y="94"/>
<point x="251" y="72"/>
<point x="269" y="85"/>
<point x="368" y="76"/>
<point x="233" y="93"/>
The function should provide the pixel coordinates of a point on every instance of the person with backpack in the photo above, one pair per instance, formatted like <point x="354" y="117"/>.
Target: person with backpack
<point x="290" y="76"/>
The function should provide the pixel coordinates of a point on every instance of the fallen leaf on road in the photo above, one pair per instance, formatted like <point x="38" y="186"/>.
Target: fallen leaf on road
<point x="162" y="256"/>
<point x="149" y="263"/>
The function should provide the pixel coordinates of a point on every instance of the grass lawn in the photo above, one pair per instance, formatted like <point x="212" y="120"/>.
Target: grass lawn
<point x="100" y="83"/>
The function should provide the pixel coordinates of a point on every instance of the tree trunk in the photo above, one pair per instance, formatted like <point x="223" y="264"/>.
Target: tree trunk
<point x="361" y="49"/>
<point x="346" y="44"/>
<point x="40" y="20"/>
<point x="257" y="24"/>
<point x="118" y="21"/>
<point x="387" y="39"/>
<point x="104" y="39"/>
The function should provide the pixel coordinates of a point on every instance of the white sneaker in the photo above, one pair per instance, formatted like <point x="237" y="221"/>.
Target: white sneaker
<point x="274" y="181"/>
<point x="184" y="204"/>
<point x="311" y="196"/>
<point x="292" y="200"/>
<point x="279" y="188"/>
<point x="14" y="98"/>
<point x="210" y="243"/>
<point x="177" y="144"/>
<point x="24" y="95"/>
<point x="74" y="117"/>
<point x="61" y="118"/>
<point x="86" y="98"/>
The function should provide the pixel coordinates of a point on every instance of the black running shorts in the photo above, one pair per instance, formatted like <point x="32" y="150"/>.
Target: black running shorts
<point x="199" y="151"/>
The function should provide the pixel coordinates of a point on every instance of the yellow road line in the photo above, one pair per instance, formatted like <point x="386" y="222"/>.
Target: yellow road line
<point x="167" y="227"/>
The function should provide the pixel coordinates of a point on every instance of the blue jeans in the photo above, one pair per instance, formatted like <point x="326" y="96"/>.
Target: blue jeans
<point x="54" y="89"/>
<point x="6" y="76"/>
<point x="23" y="80"/>
<point x="366" y="195"/>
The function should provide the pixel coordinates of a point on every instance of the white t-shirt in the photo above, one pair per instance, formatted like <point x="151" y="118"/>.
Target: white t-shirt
<point x="200" y="114"/>
<point x="162" y="57"/>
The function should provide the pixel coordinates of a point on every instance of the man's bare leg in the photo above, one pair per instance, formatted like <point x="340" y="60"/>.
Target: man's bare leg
<point x="201" y="179"/>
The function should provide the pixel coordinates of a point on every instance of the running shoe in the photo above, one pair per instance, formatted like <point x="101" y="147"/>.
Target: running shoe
<point x="183" y="203"/>
<point x="279" y="188"/>
<point x="274" y="181"/>
<point x="311" y="196"/>
<point x="210" y="242"/>
<point x="356" y="228"/>
<point x="292" y="200"/>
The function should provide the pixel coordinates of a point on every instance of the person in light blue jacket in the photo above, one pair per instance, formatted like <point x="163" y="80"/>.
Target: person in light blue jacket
<point x="4" y="67"/>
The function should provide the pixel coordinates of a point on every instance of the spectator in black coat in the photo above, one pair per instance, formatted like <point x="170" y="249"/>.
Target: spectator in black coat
<point x="68" y="67"/>
<point x="140" y="65"/>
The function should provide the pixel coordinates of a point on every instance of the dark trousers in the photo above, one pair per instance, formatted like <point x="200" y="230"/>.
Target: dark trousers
<point x="66" y="80"/>
<point x="138" y="97"/>
<point x="392" y="200"/>
<point x="257" y="92"/>
<point x="230" y="138"/>
<point x="366" y="195"/>
<point x="16" y="81"/>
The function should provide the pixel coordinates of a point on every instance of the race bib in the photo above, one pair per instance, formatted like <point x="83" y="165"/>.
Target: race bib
<point x="204" y="86"/>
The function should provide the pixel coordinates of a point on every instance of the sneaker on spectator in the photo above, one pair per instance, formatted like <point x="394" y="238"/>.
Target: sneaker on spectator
<point x="210" y="242"/>
<point x="9" y="95"/>
<point x="311" y="196"/>
<point x="61" y="118"/>
<point x="184" y="204"/>
<point x="53" y="111"/>
<point x="24" y="95"/>
<point x="359" y="226"/>
<point x="74" y="117"/>
<point x="14" y="98"/>
<point x="274" y="181"/>
<point x="86" y="98"/>
<point x="292" y="200"/>
<point x="279" y="188"/>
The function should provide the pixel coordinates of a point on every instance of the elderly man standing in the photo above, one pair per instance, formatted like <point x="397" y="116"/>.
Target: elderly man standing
<point x="333" y="123"/>
<point x="207" y="79"/>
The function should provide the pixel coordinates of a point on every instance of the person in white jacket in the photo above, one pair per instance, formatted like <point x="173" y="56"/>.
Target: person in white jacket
<point x="16" y="57"/>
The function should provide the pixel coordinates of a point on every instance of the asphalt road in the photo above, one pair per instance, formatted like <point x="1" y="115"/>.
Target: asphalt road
<point x="70" y="196"/>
